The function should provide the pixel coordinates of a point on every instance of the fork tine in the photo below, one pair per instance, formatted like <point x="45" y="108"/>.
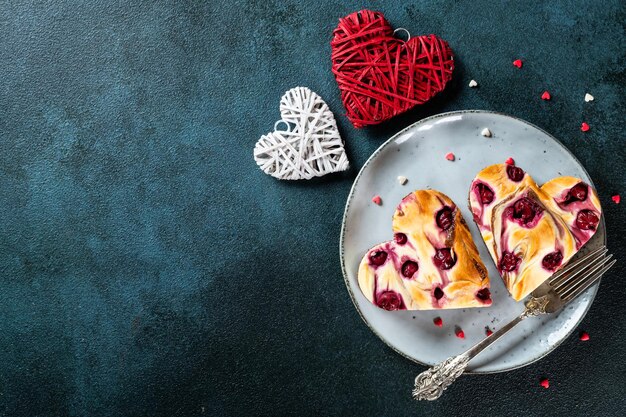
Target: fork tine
<point x="572" y="277"/>
<point x="585" y="273"/>
<point x="589" y="282"/>
<point x="560" y="274"/>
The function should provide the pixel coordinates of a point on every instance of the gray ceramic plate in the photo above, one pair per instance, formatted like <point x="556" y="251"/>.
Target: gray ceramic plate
<point x="418" y="153"/>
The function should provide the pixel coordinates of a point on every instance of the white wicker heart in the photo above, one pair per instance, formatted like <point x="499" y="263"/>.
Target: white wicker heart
<point x="309" y="147"/>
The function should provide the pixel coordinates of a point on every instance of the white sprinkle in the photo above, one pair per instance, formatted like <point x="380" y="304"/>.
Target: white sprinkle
<point x="588" y="97"/>
<point x="486" y="133"/>
<point x="473" y="83"/>
<point x="402" y="180"/>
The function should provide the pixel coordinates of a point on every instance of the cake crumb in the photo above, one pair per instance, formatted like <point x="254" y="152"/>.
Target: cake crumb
<point x="486" y="132"/>
<point x="402" y="180"/>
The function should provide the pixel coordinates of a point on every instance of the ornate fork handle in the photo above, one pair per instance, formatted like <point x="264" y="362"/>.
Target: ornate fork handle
<point x="430" y="384"/>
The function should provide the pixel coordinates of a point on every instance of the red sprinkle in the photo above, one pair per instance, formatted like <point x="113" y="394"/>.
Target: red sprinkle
<point x="545" y="383"/>
<point x="584" y="127"/>
<point x="616" y="198"/>
<point x="488" y="331"/>
<point x="584" y="336"/>
<point x="518" y="63"/>
<point x="438" y="322"/>
<point x="510" y="161"/>
<point x="459" y="333"/>
<point x="450" y="156"/>
<point x="546" y="96"/>
<point x="377" y="200"/>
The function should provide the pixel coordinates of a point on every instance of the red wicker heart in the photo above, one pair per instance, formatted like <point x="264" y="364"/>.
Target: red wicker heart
<point x="381" y="76"/>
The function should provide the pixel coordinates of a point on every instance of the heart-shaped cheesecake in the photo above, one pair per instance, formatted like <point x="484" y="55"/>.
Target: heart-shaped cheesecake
<point x="309" y="147"/>
<point x="432" y="263"/>
<point x="531" y="231"/>
<point x="381" y="76"/>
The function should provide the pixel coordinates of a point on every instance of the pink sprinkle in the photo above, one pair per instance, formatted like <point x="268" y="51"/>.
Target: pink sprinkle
<point x="584" y="127"/>
<point x="377" y="200"/>
<point x="459" y="333"/>
<point x="438" y="322"/>
<point x="616" y="198"/>
<point x="584" y="336"/>
<point x="518" y="63"/>
<point x="450" y="156"/>
<point x="510" y="161"/>
<point x="546" y="96"/>
<point x="545" y="383"/>
<point x="488" y="331"/>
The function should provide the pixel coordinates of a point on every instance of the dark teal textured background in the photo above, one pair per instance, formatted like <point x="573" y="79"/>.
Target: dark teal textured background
<point x="148" y="268"/>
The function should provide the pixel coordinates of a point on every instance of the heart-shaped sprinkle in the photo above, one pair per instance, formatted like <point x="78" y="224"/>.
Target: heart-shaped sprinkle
<point x="510" y="161"/>
<point x="513" y="214"/>
<point x="518" y="63"/>
<point x="473" y="84"/>
<point x="584" y="127"/>
<point x="402" y="180"/>
<point x="488" y="331"/>
<point x="309" y="147"/>
<point x="437" y="321"/>
<point x="377" y="200"/>
<point x="545" y="383"/>
<point x="584" y="336"/>
<point x="546" y="96"/>
<point x="380" y="75"/>
<point x="616" y="198"/>
<point x="459" y="333"/>
<point x="486" y="133"/>
<point x="450" y="156"/>
<point x="588" y="97"/>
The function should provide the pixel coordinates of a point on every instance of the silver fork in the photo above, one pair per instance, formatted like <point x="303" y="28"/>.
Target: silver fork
<point x="560" y="289"/>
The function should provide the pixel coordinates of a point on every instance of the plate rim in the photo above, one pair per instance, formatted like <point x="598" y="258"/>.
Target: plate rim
<point x="351" y="196"/>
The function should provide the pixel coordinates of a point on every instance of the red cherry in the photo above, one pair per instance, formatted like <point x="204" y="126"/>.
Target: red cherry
<point x="378" y="258"/>
<point x="443" y="259"/>
<point x="577" y="192"/>
<point x="409" y="268"/>
<point x="509" y="262"/>
<point x="484" y="295"/>
<point x="390" y="301"/>
<point x="400" y="238"/>
<point x="587" y="220"/>
<point x="444" y="218"/>
<point x="525" y="209"/>
<point x="552" y="260"/>
<point x="438" y="293"/>
<point x="515" y="174"/>
<point x="485" y="193"/>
